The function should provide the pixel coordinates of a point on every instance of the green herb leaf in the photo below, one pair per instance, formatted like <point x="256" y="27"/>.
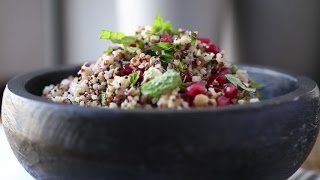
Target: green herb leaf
<point x="160" y="26"/>
<point x="237" y="82"/>
<point x="103" y="97"/>
<point x="150" y="52"/>
<point x="133" y="78"/>
<point x="166" y="58"/>
<point x="161" y="84"/>
<point x="181" y="67"/>
<point x="193" y="38"/>
<point x="109" y="50"/>
<point x="132" y="49"/>
<point x="234" y="69"/>
<point x="140" y="44"/>
<point x="164" y="46"/>
<point x="254" y="84"/>
<point x="117" y="37"/>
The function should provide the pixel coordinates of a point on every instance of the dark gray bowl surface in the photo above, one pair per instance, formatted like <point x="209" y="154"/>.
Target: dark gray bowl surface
<point x="265" y="140"/>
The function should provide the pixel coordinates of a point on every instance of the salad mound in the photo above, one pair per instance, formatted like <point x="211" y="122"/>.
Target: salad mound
<point x="156" y="67"/>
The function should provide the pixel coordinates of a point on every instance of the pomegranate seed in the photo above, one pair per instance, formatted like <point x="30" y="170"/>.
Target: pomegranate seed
<point x="126" y="70"/>
<point x="187" y="99"/>
<point x="195" y="89"/>
<point x="166" y="38"/>
<point x="204" y="40"/>
<point x="221" y="79"/>
<point x="212" y="48"/>
<point x="141" y="75"/>
<point x="230" y="90"/>
<point x="187" y="78"/>
<point x="223" y="101"/>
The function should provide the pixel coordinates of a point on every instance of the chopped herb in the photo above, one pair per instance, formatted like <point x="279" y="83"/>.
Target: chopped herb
<point x="103" y="97"/>
<point x="133" y="78"/>
<point x="161" y="84"/>
<point x="150" y="52"/>
<point x="193" y="38"/>
<point x="109" y="50"/>
<point x="164" y="46"/>
<point x="237" y="82"/>
<point x="132" y="49"/>
<point x="234" y="69"/>
<point x="254" y="84"/>
<point x="160" y="26"/>
<point x="181" y="67"/>
<point x="183" y="86"/>
<point x="117" y="37"/>
<point x="166" y="58"/>
<point x="140" y="44"/>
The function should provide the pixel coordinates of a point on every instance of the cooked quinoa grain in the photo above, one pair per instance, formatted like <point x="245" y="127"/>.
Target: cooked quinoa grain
<point x="157" y="67"/>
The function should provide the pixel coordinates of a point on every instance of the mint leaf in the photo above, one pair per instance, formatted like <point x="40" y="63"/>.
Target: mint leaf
<point x="181" y="67"/>
<point x="133" y="78"/>
<point x="103" y="97"/>
<point x="140" y="44"/>
<point x="234" y="69"/>
<point x="161" y="84"/>
<point x="109" y="50"/>
<point x="237" y="82"/>
<point x="166" y="58"/>
<point x="150" y="52"/>
<point x="163" y="46"/>
<point x="117" y="37"/>
<point x="160" y="26"/>
<point x="132" y="49"/>
<point x="193" y="38"/>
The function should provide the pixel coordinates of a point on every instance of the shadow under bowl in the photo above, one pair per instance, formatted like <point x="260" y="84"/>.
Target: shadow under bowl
<point x="265" y="140"/>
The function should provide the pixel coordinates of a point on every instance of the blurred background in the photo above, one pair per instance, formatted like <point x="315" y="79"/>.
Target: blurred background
<point x="36" y="34"/>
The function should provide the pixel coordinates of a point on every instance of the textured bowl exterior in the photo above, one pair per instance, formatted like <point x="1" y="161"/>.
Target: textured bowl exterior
<point x="266" y="140"/>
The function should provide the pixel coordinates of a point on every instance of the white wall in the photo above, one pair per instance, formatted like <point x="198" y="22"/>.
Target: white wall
<point x="22" y="44"/>
<point x="83" y="22"/>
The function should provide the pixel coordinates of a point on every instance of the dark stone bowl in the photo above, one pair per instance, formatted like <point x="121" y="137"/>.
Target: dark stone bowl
<point x="265" y="140"/>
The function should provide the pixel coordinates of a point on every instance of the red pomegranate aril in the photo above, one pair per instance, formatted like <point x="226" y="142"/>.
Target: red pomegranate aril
<point x="126" y="70"/>
<point x="187" y="78"/>
<point x="188" y="99"/>
<point x="204" y="40"/>
<point x="230" y="90"/>
<point x="212" y="48"/>
<point x="141" y="71"/>
<point x="166" y="38"/>
<point x="195" y="89"/>
<point x="221" y="79"/>
<point x="223" y="101"/>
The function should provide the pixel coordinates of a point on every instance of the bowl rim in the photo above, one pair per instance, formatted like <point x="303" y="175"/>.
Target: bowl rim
<point x="305" y="87"/>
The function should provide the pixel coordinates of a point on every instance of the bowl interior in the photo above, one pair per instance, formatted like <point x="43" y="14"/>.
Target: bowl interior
<point x="273" y="83"/>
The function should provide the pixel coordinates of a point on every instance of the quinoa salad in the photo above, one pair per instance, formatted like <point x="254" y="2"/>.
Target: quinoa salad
<point x="156" y="67"/>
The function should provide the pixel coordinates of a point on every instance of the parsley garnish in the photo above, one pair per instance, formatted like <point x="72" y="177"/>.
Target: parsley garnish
<point x="161" y="84"/>
<point x="160" y="26"/>
<point x="237" y="82"/>
<point x="109" y="50"/>
<point x="166" y="58"/>
<point x="133" y="78"/>
<point x="117" y="37"/>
